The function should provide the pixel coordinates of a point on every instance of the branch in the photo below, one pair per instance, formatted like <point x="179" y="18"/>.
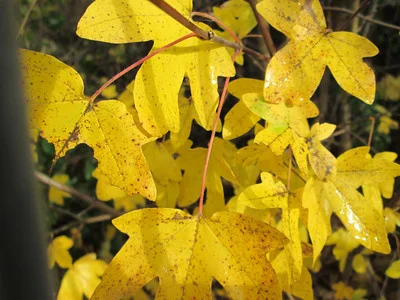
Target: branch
<point x="205" y="35"/>
<point x="73" y="192"/>
<point x="361" y="7"/>
<point x="91" y="220"/>
<point x="264" y="28"/>
<point x="348" y="11"/>
<point x="28" y="13"/>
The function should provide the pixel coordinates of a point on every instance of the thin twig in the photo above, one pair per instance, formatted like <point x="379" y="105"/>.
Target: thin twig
<point x="91" y="220"/>
<point x="73" y="192"/>
<point x="258" y="36"/>
<point x="212" y="138"/>
<point x="362" y="5"/>
<point x="64" y="211"/>
<point x="139" y="62"/>
<point x="25" y="20"/>
<point x="369" y="19"/>
<point x="264" y="28"/>
<point x="371" y="132"/>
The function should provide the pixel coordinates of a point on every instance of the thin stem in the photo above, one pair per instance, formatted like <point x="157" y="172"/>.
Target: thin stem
<point x="212" y="138"/>
<point x="139" y="62"/>
<point x="264" y="28"/>
<point x="369" y="19"/>
<point x="371" y="132"/>
<point x="25" y="20"/>
<point x="362" y="5"/>
<point x="73" y="192"/>
<point x="258" y="36"/>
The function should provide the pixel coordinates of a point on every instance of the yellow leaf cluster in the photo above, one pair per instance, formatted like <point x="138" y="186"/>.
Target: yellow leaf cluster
<point x="156" y="97"/>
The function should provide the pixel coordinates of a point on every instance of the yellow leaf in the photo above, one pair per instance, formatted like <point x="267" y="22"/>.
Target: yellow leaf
<point x="186" y="252"/>
<point x="155" y="93"/>
<point x="386" y="124"/>
<point x="260" y="214"/>
<point x="373" y="192"/>
<point x="237" y="16"/>
<point x="294" y="73"/>
<point x="192" y="162"/>
<point x="301" y="288"/>
<point x="322" y="161"/>
<point x="82" y="278"/>
<point x="392" y="218"/>
<point x="162" y="164"/>
<point x="126" y="97"/>
<point x="364" y="223"/>
<point x="394" y="270"/>
<point x="389" y="87"/>
<point x="288" y="263"/>
<point x="105" y="191"/>
<point x="65" y="118"/>
<point x="344" y="243"/>
<point x="110" y="92"/>
<point x="285" y="126"/>
<point x="117" y="21"/>
<point x="156" y="99"/>
<point x="166" y="174"/>
<point x="261" y="155"/>
<point x="268" y="194"/>
<point x="240" y="119"/>
<point x="58" y="252"/>
<point x="359" y="264"/>
<point x="319" y="213"/>
<point x="55" y="195"/>
<point x="356" y="168"/>
<point x="187" y="113"/>
<point x="342" y="291"/>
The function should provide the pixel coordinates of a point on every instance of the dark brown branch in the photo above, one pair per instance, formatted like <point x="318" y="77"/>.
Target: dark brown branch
<point x="205" y="35"/>
<point x="369" y="19"/>
<point x="73" y="192"/>
<point x="264" y="28"/>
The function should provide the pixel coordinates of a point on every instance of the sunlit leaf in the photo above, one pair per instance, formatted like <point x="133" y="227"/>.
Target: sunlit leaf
<point x="64" y="116"/>
<point x="186" y="252"/>
<point x="58" y="252"/>
<point x="294" y="72"/>
<point x="82" y="278"/>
